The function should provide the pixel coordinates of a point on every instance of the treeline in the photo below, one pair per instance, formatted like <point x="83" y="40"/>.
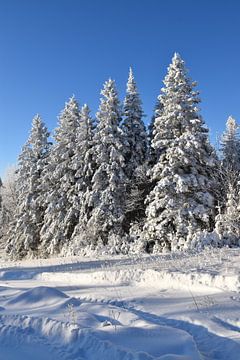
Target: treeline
<point x="108" y="184"/>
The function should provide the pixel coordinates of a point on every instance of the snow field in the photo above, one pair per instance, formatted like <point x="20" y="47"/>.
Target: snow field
<point x="123" y="308"/>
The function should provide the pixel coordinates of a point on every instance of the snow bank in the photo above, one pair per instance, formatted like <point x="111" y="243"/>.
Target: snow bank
<point x="148" y="277"/>
<point x="155" y="340"/>
<point x="68" y="341"/>
<point x="197" y="280"/>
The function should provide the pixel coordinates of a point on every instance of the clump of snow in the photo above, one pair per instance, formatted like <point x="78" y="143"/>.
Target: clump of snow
<point x="38" y="296"/>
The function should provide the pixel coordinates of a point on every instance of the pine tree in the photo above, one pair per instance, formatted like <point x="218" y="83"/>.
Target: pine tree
<point x="84" y="165"/>
<point x="83" y="160"/>
<point x="152" y="156"/>
<point x="59" y="180"/>
<point x="24" y="235"/>
<point x="135" y="151"/>
<point x="231" y="146"/>
<point x="228" y="219"/>
<point x="229" y="166"/>
<point x="181" y="201"/>
<point x="135" y="148"/>
<point x="107" y="197"/>
<point x="9" y="202"/>
<point x="139" y="188"/>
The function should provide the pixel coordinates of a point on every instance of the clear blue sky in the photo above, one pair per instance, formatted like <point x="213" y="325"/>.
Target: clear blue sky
<point x="51" y="49"/>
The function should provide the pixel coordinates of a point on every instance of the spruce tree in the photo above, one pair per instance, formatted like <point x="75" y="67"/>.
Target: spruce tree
<point x="229" y="165"/>
<point x="107" y="197"/>
<point x="181" y="201"/>
<point x="135" y="151"/>
<point x="152" y="156"/>
<point x="230" y="146"/>
<point x="59" y="180"/>
<point x="135" y="148"/>
<point x="9" y="202"/>
<point x="24" y="234"/>
<point x="228" y="218"/>
<point x="84" y="165"/>
<point x="83" y="160"/>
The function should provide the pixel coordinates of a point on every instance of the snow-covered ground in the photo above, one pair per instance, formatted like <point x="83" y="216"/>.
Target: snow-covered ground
<point x="182" y="306"/>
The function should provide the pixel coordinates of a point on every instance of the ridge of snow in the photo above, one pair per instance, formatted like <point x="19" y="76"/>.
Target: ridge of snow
<point x="68" y="339"/>
<point x="148" y="277"/>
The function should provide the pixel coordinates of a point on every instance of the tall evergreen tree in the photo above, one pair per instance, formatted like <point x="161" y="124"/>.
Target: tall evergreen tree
<point x="135" y="151"/>
<point x="84" y="165"/>
<point x="24" y="235"/>
<point x="61" y="216"/>
<point x="135" y="148"/>
<point x="230" y="146"/>
<point x="229" y="165"/>
<point x="152" y="156"/>
<point x="107" y="196"/>
<point x="228" y="219"/>
<point x="9" y="202"/>
<point x="181" y="201"/>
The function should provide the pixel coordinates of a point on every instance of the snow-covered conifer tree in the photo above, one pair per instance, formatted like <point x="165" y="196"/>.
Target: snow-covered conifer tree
<point x="228" y="219"/>
<point x="59" y="180"/>
<point x="135" y="148"/>
<point x="152" y="156"/>
<point x="181" y="200"/>
<point x="231" y="146"/>
<point x="107" y="196"/>
<point x="83" y="159"/>
<point x="135" y="151"/>
<point x="84" y="165"/>
<point x="9" y="202"/>
<point x="24" y="234"/>
<point x="229" y="165"/>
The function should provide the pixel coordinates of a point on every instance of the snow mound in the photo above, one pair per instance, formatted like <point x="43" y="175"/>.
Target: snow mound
<point x="68" y="341"/>
<point x="154" y="341"/>
<point x="38" y="296"/>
